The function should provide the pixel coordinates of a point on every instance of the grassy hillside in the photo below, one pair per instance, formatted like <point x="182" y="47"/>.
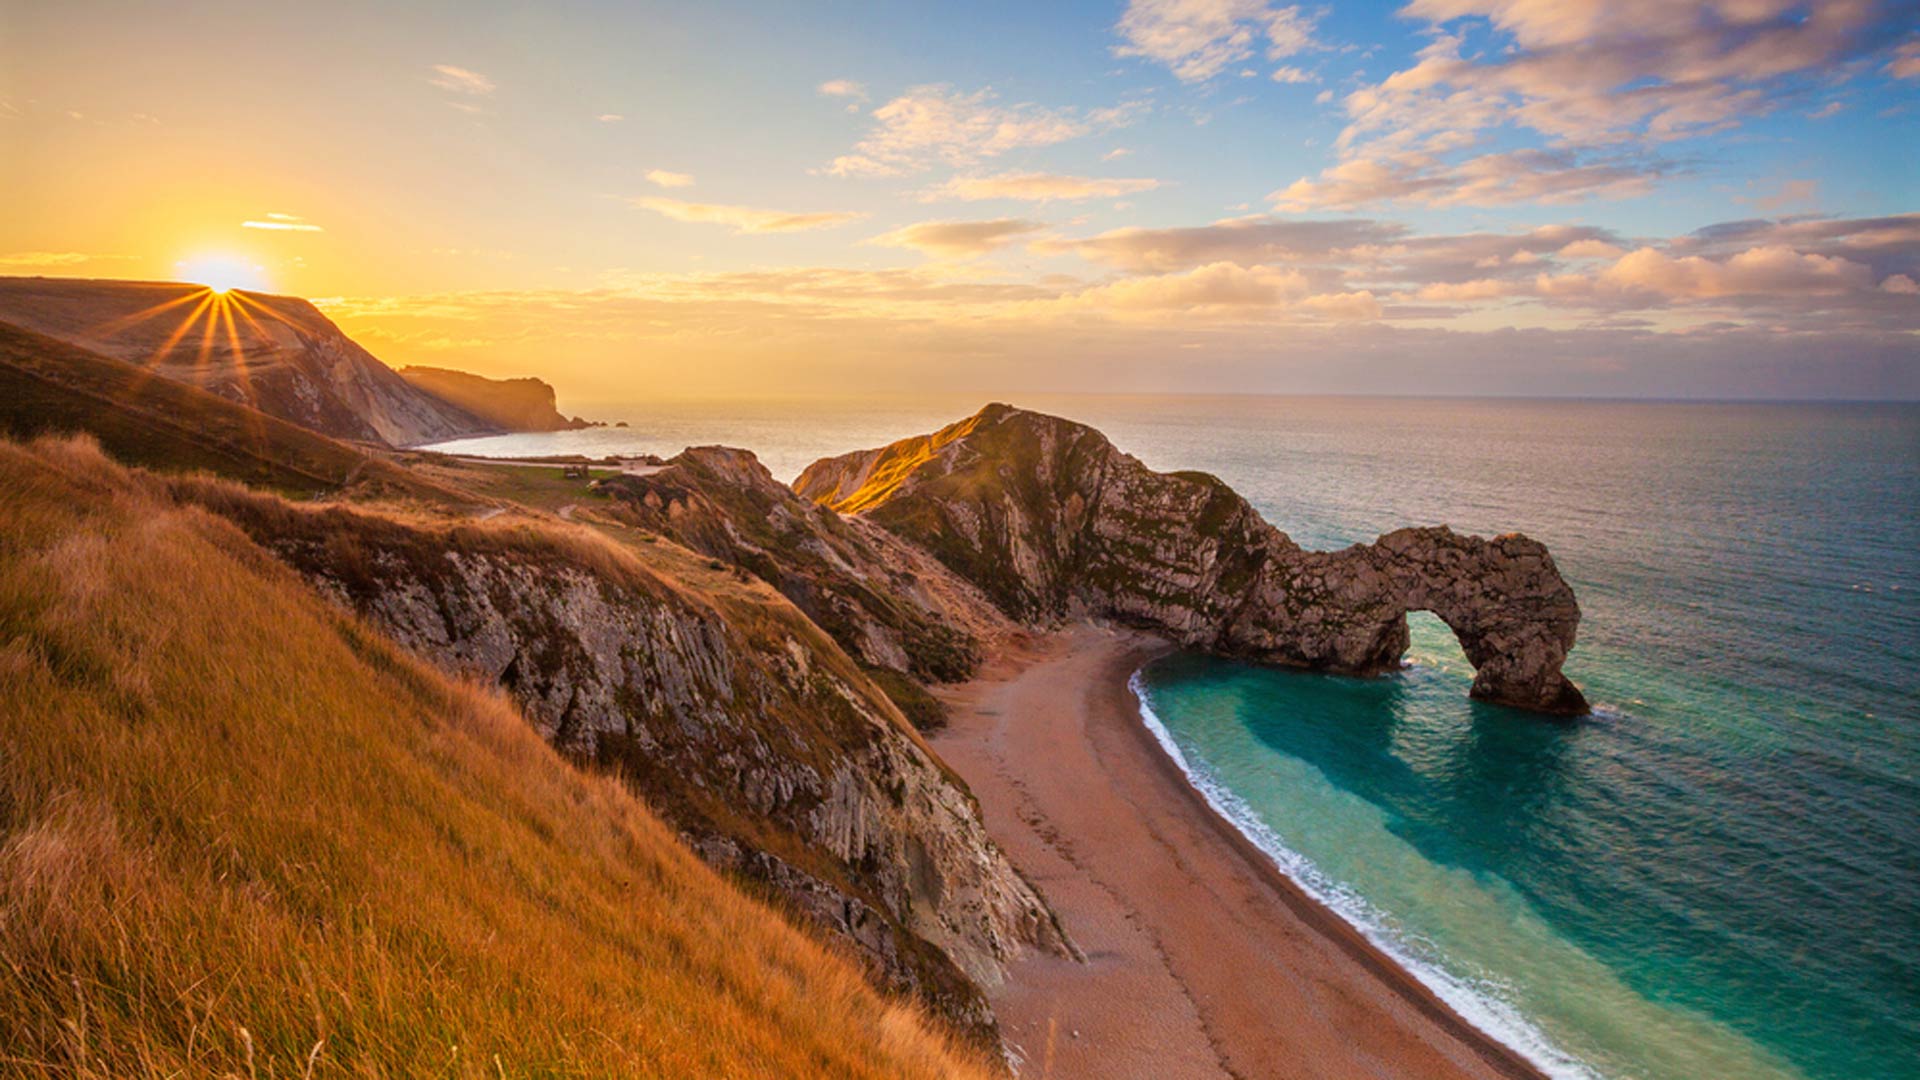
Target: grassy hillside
<point x="241" y="834"/>
<point x="49" y="386"/>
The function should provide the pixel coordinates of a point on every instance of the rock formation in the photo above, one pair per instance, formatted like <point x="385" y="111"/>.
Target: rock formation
<point x="524" y="404"/>
<point x="1049" y="519"/>
<point x="276" y="354"/>
<point x="884" y="600"/>
<point x="737" y="718"/>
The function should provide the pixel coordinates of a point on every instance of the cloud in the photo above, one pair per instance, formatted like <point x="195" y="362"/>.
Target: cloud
<point x="665" y="179"/>
<point x="610" y="118"/>
<point x="1242" y="240"/>
<point x="1587" y="76"/>
<point x="1906" y="60"/>
<point x="1294" y="75"/>
<point x="458" y="80"/>
<point x="935" y="124"/>
<point x="745" y="219"/>
<point x="1756" y="272"/>
<point x="1198" y="39"/>
<point x="957" y="239"/>
<point x="1514" y="176"/>
<point x="1593" y="71"/>
<point x="1036" y="187"/>
<point x="855" y="93"/>
<point x="55" y="258"/>
<point x="1789" y="193"/>
<point x="283" y="223"/>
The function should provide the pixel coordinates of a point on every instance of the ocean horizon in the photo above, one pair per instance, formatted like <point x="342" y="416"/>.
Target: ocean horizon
<point x="1716" y="873"/>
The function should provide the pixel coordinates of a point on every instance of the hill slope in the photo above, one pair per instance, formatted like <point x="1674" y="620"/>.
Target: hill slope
<point x="277" y="354"/>
<point x="48" y="386"/>
<point x="242" y="834"/>
<point x="1048" y="517"/>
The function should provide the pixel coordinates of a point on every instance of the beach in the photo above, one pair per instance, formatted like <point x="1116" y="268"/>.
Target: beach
<point x="1202" y="959"/>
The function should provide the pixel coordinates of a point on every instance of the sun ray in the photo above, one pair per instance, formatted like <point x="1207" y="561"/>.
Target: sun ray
<point x="128" y="322"/>
<point x="229" y="304"/>
<point x="173" y="340"/>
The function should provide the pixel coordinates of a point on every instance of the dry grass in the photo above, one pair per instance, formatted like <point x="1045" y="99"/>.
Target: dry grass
<point x="243" y="835"/>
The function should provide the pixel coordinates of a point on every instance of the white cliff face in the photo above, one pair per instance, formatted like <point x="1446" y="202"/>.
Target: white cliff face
<point x="1047" y="517"/>
<point x="745" y="726"/>
<point x="276" y="354"/>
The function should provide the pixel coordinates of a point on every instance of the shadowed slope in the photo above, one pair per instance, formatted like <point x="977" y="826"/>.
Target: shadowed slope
<point x="277" y="354"/>
<point x="1047" y="517"/>
<point x="48" y="386"/>
<point x="241" y="834"/>
<point x="524" y="404"/>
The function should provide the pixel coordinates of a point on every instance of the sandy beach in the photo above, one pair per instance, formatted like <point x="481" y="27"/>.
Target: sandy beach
<point x="1202" y="960"/>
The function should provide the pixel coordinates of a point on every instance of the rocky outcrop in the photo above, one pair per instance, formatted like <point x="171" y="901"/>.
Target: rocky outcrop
<point x="733" y="714"/>
<point x="276" y="354"/>
<point x="1049" y="519"/>
<point x="524" y="404"/>
<point x="885" y="601"/>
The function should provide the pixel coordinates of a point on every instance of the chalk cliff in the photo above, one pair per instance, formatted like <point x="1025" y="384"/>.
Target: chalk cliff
<point x="1049" y="519"/>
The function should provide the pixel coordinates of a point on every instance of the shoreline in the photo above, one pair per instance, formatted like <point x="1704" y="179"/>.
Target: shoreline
<point x="1203" y="958"/>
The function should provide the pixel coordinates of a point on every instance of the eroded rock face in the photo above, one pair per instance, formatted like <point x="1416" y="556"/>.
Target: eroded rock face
<point x="885" y="601"/>
<point x="1049" y="519"/>
<point x="734" y="715"/>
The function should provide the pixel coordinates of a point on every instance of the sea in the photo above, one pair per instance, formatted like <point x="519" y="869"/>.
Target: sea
<point x="1717" y="874"/>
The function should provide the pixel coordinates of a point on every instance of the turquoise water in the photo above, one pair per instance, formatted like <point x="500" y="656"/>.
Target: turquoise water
<point x="1716" y="876"/>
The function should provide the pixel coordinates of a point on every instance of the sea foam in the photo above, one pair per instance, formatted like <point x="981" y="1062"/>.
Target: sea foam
<point x="1476" y="1004"/>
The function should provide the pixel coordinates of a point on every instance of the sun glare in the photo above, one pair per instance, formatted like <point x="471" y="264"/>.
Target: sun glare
<point x="222" y="273"/>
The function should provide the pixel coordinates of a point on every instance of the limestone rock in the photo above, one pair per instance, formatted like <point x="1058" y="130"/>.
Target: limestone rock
<point x="1048" y="519"/>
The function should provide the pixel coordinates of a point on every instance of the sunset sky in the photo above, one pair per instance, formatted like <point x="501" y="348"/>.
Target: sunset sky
<point x="1632" y="197"/>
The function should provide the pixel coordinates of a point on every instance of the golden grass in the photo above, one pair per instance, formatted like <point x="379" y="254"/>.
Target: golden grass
<point x="243" y="835"/>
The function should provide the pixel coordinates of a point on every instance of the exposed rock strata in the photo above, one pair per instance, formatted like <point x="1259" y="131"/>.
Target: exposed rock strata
<point x="733" y="714"/>
<point x="1048" y="518"/>
<point x="886" y="602"/>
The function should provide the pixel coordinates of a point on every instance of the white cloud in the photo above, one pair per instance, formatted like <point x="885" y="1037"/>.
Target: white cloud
<point x="746" y="219"/>
<point x="55" y="258"/>
<point x="1199" y="39"/>
<point x="666" y="179"/>
<point x="957" y="239"/>
<point x="282" y="223"/>
<point x="1294" y="75"/>
<point x="930" y="124"/>
<point x="854" y="93"/>
<point x="610" y="118"/>
<point x="459" y="80"/>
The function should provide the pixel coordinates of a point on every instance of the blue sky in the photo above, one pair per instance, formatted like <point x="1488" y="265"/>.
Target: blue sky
<point x="1506" y="195"/>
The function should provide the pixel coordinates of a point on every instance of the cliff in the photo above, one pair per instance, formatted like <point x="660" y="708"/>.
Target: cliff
<point x="276" y="354"/>
<point x="1048" y="518"/>
<point x="737" y="719"/>
<point x="524" y="404"/>
<point x="243" y="834"/>
<point x="886" y="602"/>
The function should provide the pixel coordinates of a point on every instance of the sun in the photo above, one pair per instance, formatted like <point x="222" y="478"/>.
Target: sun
<point x="223" y="273"/>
